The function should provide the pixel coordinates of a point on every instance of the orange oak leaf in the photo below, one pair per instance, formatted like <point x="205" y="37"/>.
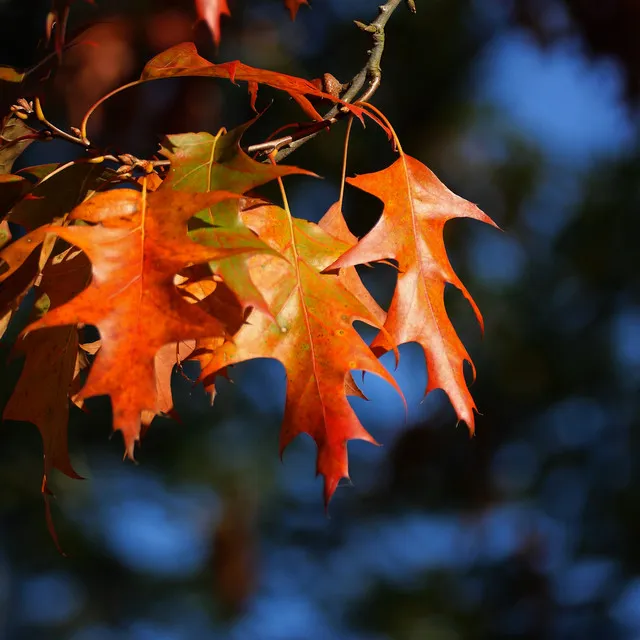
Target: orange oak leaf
<point x="313" y="337"/>
<point x="293" y="6"/>
<point x="210" y="11"/>
<point x="416" y="207"/>
<point x="137" y="246"/>
<point x="201" y="162"/>
<point x="183" y="60"/>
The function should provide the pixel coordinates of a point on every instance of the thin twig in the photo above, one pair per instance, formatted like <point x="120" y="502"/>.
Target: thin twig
<point x="128" y="163"/>
<point x="55" y="131"/>
<point x="277" y="143"/>
<point x="371" y="72"/>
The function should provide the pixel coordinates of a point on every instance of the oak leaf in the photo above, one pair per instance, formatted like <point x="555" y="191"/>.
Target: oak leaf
<point x="137" y="246"/>
<point x="416" y="207"/>
<point x="183" y="61"/>
<point x="313" y="337"/>
<point x="41" y="395"/>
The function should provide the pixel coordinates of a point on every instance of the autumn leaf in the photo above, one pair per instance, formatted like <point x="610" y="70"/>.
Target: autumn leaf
<point x="313" y="337"/>
<point x="138" y="244"/>
<point x="210" y="11"/>
<point x="41" y="395"/>
<point x="201" y="162"/>
<point x="416" y="207"/>
<point x="183" y="60"/>
<point x="294" y="5"/>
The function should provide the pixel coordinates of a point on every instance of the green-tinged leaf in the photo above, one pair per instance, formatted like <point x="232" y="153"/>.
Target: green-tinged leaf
<point x="416" y="208"/>
<point x="201" y="162"/>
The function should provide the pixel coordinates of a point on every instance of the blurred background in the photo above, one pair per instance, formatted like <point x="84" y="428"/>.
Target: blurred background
<point x="527" y="108"/>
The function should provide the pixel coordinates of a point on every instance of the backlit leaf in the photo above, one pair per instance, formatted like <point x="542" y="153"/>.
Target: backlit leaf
<point x="294" y="5"/>
<point x="138" y="244"/>
<point x="313" y="337"/>
<point x="183" y="61"/>
<point x="416" y="207"/>
<point x="210" y="11"/>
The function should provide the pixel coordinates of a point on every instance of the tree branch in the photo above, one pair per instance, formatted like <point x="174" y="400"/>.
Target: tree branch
<point x="371" y="72"/>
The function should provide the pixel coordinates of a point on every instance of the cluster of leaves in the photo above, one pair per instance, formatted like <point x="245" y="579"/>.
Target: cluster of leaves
<point x="187" y="263"/>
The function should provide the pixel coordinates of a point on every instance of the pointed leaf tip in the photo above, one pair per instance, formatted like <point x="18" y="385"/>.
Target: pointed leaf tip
<point x="294" y="5"/>
<point x="210" y="11"/>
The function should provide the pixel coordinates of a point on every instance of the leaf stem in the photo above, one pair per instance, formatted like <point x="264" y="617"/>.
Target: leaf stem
<point x="95" y="105"/>
<point x="283" y="193"/>
<point x="55" y="131"/>
<point x="385" y="120"/>
<point x="344" y="160"/>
